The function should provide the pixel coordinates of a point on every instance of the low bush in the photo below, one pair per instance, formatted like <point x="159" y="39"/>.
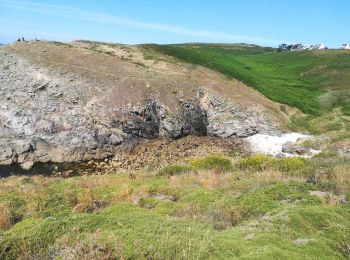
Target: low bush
<point x="291" y="165"/>
<point x="174" y="169"/>
<point x="259" y="162"/>
<point x="212" y="163"/>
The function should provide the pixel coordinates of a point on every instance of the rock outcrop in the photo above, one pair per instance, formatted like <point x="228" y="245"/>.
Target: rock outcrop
<point x="50" y="114"/>
<point x="294" y="148"/>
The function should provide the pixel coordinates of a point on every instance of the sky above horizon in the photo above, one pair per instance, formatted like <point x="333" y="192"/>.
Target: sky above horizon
<point x="267" y="23"/>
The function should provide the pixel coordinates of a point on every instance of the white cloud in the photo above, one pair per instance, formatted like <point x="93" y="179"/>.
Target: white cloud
<point x="80" y="14"/>
<point x="11" y="31"/>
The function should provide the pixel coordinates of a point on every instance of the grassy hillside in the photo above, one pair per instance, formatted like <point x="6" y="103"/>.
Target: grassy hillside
<point x="254" y="208"/>
<point x="218" y="207"/>
<point x="314" y="81"/>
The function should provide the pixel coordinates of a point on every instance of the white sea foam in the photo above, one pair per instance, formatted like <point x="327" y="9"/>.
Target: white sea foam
<point x="272" y="145"/>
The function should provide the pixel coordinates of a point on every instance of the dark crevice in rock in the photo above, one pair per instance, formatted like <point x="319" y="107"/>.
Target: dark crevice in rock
<point x="154" y="120"/>
<point x="143" y="122"/>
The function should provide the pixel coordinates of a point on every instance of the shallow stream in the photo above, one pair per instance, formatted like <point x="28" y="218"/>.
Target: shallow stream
<point x="48" y="169"/>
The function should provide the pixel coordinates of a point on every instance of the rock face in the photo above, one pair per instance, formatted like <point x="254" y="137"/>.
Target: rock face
<point x="49" y="114"/>
<point x="41" y="118"/>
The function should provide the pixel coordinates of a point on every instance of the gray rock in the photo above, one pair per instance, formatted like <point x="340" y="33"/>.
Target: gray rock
<point x="27" y="165"/>
<point x="294" y="148"/>
<point x="46" y="116"/>
<point x="172" y="127"/>
<point x="343" y="151"/>
<point x="7" y="154"/>
<point x="226" y="120"/>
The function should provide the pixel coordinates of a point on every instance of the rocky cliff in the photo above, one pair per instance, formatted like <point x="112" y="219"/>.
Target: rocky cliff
<point x="82" y="101"/>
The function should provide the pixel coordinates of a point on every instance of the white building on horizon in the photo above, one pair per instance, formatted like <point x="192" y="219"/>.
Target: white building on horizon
<point x="346" y="46"/>
<point x="320" y="46"/>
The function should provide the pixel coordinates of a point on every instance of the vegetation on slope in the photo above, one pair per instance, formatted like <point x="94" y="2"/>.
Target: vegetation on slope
<point x="313" y="81"/>
<point x="253" y="208"/>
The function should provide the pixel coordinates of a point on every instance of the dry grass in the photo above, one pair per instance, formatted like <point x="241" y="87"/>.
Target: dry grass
<point x="190" y="211"/>
<point x="342" y="178"/>
<point x="25" y="185"/>
<point x="30" y="252"/>
<point x="5" y="216"/>
<point x="87" y="203"/>
<point x="332" y="173"/>
<point x="209" y="180"/>
<point x="31" y="191"/>
<point x="213" y="180"/>
<point x="127" y="195"/>
<point x="223" y="217"/>
<point x="100" y="181"/>
<point x="270" y="176"/>
<point x="93" y="246"/>
<point x="71" y="196"/>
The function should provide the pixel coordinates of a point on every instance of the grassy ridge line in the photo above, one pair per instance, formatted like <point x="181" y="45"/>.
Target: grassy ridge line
<point x="294" y="78"/>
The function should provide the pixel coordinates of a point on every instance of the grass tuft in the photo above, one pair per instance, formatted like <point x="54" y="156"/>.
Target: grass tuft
<point x="174" y="169"/>
<point x="216" y="163"/>
<point x="6" y="216"/>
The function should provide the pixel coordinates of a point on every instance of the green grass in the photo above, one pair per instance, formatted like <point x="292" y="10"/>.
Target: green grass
<point x="174" y="169"/>
<point x="213" y="162"/>
<point x="314" y="81"/>
<point x="198" y="214"/>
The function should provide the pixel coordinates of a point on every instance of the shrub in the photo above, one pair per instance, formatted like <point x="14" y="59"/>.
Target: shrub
<point x="174" y="169"/>
<point x="291" y="165"/>
<point x="258" y="162"/>
<point x="212" y="163"/>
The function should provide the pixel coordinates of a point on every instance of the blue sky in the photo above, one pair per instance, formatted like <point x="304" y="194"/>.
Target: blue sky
<point x="267" y="22"/>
